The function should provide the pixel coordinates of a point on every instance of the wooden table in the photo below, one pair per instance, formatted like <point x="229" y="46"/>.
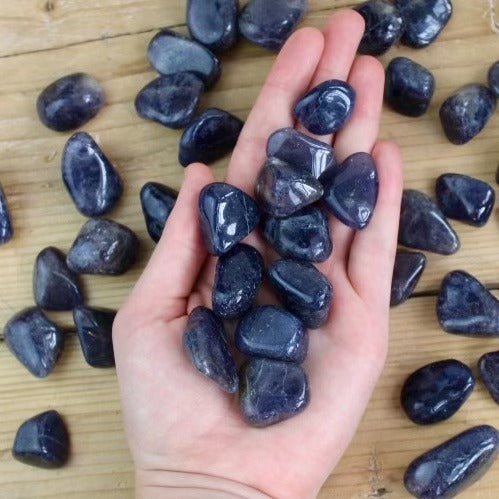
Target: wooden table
<point x="46" y="39"/>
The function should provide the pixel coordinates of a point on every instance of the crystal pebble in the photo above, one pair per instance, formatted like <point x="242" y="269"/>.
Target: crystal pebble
<point x="407" y="271"/>
<point x="488" y="367"/>
<point x="6" y="229"/>
<point x="493" y="78"/>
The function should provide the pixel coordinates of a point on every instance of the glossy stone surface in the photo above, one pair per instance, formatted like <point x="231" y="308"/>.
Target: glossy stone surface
<point x="326" y="108"/>
<point x="409" y="87"/>
<point x="449" y="468"/>
<point x="407" y="271"/>
<point x="209" y="137"/>
<point x="42" y="441"/>
<point x="238" y="276"/>
<point x="466" y="307"/>
<point x="170" y="100"/>
<point x="493" y="78"/>
<point x="488" y="367"/>
<point x="466" y="112"/>
<point x="70" y="102"/>
<point x="272" y="391"/>
<point x="351" y="190"/>
<point x="227" y="215"/>
<point x="170" y="53"/>
<point x="282" y="189"/>
<point x="273" y="333"/>
<point x="303" y="235"/>
<point x="206" y="346"/>
<point x="103" y="247"/>
<point x="157" y="202"/>
<point x="269" y="24"/>
<point x="6" y="228"/>
<point x="35" y="341"/>
<point x="437" y="391"/>
<point x="213" y="22"/>
<point x="423" y="226"/>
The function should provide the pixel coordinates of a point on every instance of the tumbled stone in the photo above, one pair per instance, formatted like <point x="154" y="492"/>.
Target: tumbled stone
<point x="227" y="216"/>
<point x="466" y="112"/>
<point x="42" y="441"/>
<point x="103" y="247"/>
<point x="351" y="190"/>
<point x="35" y="341"/>
<point x="206" y="346"/>
<point x="238" y="276"/>
<point x="269" y="24"/>
<point x="488" y="367"/>
<point x="451" y="467"/>
<point x="466" y="307"/>
<point x="407" y="271"/>
<point x="326" y="108"/>
<point x="409" y="87"/>
<point x="493" y="78"/>
<point x="170" y="53"/>
<point x="282" y="189"/>
<point x="209" y="137"/>
<point x="423" y="226"/>
<point x="303" y="235"/>
<point x="70" y="102"/>
<point x="6" y="229"/>
<point x="272" y="391"/>
<point x="273" y="333"/>
<point x="157" y="202"/>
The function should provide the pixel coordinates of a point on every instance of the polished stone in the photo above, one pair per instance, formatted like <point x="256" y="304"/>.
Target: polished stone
<point x="407" y="271"/>
<point x="70" y="102"/>
<point x="206" y="346"/>
<point x="272" y="391"/>
<point x="35" y="341"/>
<point x="6" y="228"/>
<point x="451" y="467"/>
<point x="42" y="441"/>
<point x="326" y="108"/>
<point x="423" y="226"/>
<point x="488" y="367"/>
<point x="493" y="78"/>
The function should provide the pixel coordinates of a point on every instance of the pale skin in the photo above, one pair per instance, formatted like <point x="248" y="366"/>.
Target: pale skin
<point x="186" y="436"/>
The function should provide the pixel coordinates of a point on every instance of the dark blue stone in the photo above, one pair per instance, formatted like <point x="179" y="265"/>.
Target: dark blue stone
<point x="488" y="367"/>
<point x="35" y="341"/>
<point x="409" y="87"/>
<point x="446" y="470"/>
<point x="42" y="441"/>
<point x="466" y="307"/>
<point x="326" y="108"/>
<point x="170" y="53"/>
<point x="209" y="137"/>
<point x="466" y="112"/>
<point x="407" y="271"/>
<point x="423" y="226"/>
<point x="238" y="276"/>
<point x="90" y="178"/>
<point x="269" y="24"/>
<point x="213" y="22"/>
<point x="351" y="190"/>
<point x="6" y="229"/>
<point x="103" y="247"/>
<point x="303" y="235"/>
<point x="493" y="78"/>
<point x="272" y="391"/>
<point x="206" y="346"/>
<point x="157" y="202"/>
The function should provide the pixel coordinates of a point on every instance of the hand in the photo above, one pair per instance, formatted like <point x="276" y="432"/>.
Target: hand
<point x="187" y="437"/>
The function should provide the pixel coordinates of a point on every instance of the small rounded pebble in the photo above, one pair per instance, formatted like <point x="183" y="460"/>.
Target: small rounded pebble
<point x="6" y="228"/>
<point x="407" y="271"/>
<point x="493" y="78"/>
<point x="488" y="367"/>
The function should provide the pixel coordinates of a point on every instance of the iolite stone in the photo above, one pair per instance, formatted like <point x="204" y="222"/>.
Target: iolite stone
<point x="206" y="346"/>
<point x="103" y="247"/>
<point x="42" y="441"/>
<point x="326" y="108"/>
<point x="6" y="229"/>
<point x="269" y="24"/>
<point x="466" y="112"/>
<point x="272" y="391"/>
<point x="466" y="307"/>
<point x="90" y="178"/>
<point x="409" y="87"/>
<point x="451" y="467"/>
<point x="493" y="78"/>
<point x="407" y="271"/>
<point x="238" y="276"/>
<point x="35" y="341"/>
<point x="351" y="190"/>
<point x="209" y="137"/>
<point x="170" y="53"/>
<point x="423" y="226"/>
<point x="157" y="202"/>
<point x="488" y="367"/>
<point x="70" y="102"/>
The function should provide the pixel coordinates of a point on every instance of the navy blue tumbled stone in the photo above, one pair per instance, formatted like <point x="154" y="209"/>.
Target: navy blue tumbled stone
<point x="407" y="271"/>
<point x="488" y="367"/>
<point x="6" y="229"/>
<point x="493" y="78"/>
